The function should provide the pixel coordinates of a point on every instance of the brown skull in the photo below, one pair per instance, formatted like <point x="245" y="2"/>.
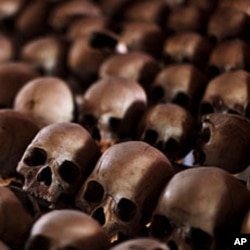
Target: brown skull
<point x="223" y="142"/>
<point x="123" y="188"/>
<point x="200" y="208"/>
<point x="229" y="55"/>
<point x="111" y="109"/>
<point x="66" y="229"/>
<point x="227" y="93"/>
<point x="181" y="84"/>
<point x="46" y="100"/>
<point x="57" y="161"/>
<point x="137" y="66"/>
<point x="16" y="133"/>
<point x="227" y="22"/>
<point x="187" y="47"/>
<point x="18" y="212"/>
<point x="169" y="128"/>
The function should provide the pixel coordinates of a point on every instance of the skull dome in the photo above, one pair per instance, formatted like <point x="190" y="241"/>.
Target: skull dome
<point x="66" y="229"/>
<point x="46" y="100"/>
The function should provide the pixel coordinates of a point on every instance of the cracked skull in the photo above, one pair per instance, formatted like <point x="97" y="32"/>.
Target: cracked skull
<point x="123" y="188"/>
<point x="57" y="161"/>
<point x="200" y="208"/>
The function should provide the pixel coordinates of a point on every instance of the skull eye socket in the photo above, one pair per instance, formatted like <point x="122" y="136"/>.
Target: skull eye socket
<point x="150" y="137"/>
<point x="94" y="192"/>
<point x="206" y="108"/>
<point x="69" y="171"/>
<point x="125" y="210"/>
<point x="157" y="93"/>
<point x="213" y="71"/>
<point x="114" y="123"/>
<point x="89" y="120"/>
<point x="38" y="242"/>
<point x="36" y="157"/>
<point x="181" y="99"/>
<point x="160" y="226"/>
<point x="205" y="135"/>
<point x="196" y="236"/>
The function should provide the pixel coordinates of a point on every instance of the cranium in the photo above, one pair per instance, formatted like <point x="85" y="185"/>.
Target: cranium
<point x="181" y="84"/>
<point x="18" y="212"/>
<point x="16" y="133"/>
<point x="142" y="36"/>
<point x="87" y="53"/>
<point x="46" y="100"/>
<point x="141" y="244"/>
<point x="150" y="11"/>
<point x="229" y="55"/>
<point x="241" y="5"/>
<point x="66" y="12"/>
<point x="111" y="108"/>
<point x="227" y="93"/>
<point x="47" y="54"/>
<point x="169" y="128"/>
<point x="124" y="207"/>
<point x="227" y="22"/>
<point x="192" y="19"/>
<point x="13" y="76"/>
<point x="223" y="142"/>
<point x="200" y="208"/>
<point x="137" y="66"/>
<point x="66" y="229"/>
<point x="187" y="47"/>
<point x="57" y="161"/>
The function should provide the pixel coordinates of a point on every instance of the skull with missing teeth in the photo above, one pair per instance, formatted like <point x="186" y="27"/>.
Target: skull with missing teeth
<point x="56" y="162"/>
<point x="123" y="189"/>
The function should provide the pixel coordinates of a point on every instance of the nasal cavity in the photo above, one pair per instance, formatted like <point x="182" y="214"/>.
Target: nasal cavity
<point x="45" y="176"/>
<point x="99" y="216"/>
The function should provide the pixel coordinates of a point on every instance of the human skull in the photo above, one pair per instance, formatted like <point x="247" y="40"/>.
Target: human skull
<point x="227" y="22"/>
<point x="149" y="11"/>
<point x="181" y="84"/>
<point x="18" y="212"/>
<point x="16" y="133"/>
<point x="87" y="53"/>
<point x="66" y="229"/>
<point x="169" y="128"/>
<point x="111" y="108"/>
<point x="229" y="55"/>
<point x="64" y="13"/>
<point x="13" y="76"/>
<point x="124" y="208"/>
<point x="57" y="161"/>
<point x="142" y="36"/>
<point x="141" y="244"/>
<point x="46" y="100"/>
<point x="192" y="19"/>
<point x="200" y="208"/>
<point x="223" y="142"/>
<point x="137" y="66"/>
<point x="227" y="93"/>
<point x="47" y="54"/>
<point x="187" y="47"/>
<point x="241" y="5"/>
